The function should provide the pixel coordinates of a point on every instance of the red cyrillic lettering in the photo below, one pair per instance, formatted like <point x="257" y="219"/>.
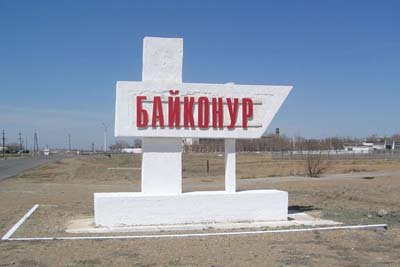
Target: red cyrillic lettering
<point x="142" y="117"/>
<point x="157" y="113"/>
<point x="203" y="112"/>
<point x="247" y="111"/>
<point x="232" y="111"/>
<point x="217" y="112"/>
<point x="188" y="106"/>
<point x="174" y="112"/>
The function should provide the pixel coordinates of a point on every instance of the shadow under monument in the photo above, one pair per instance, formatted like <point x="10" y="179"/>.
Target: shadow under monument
<point x="301" y="208"/>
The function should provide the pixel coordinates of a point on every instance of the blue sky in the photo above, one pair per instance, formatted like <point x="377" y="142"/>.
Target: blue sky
<point x="60" y="60"/>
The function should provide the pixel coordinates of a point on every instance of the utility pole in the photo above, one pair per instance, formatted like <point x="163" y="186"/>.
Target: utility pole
<point x="4" y="140"/>
<point x="20" y="143"/>
<point x="35" y="145"/>
<point x="69" y="142"/>
<point x="293" y="143"/>
<point x="93" y="147"/>
<point x="105" y="137"/>
<point x="34" y="148"/>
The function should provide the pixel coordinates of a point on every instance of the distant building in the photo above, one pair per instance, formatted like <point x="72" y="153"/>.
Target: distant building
<point x="131" y="150"/>
<point x="358" y="148"/>
<point x="190" y="141"/>
<point x="373" y="145"/>
<point x="277" y="132"/>
<point x="396" y="145"/>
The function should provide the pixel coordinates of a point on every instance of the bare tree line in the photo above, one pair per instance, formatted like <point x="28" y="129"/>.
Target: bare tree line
<point x="274" y="143"/>
<point x="269" y="143"/>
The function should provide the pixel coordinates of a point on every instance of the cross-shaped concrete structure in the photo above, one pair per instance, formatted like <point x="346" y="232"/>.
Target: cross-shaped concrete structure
<point x="162" y="157"/>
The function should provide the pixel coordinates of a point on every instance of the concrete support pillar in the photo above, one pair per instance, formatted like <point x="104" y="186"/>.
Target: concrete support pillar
<point x="161" y="166"/>
<point x="162" y="157"/>
<point x="230" y="165"/>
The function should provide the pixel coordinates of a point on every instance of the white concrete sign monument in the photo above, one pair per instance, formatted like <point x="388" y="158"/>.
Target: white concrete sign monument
<point x="162" y="110"/>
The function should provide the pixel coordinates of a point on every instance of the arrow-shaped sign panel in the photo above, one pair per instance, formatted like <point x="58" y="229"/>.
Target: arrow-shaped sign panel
<point x="200" y="110"/>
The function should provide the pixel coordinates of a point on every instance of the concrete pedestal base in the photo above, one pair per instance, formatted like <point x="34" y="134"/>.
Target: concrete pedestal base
<point x="129" y="209"/>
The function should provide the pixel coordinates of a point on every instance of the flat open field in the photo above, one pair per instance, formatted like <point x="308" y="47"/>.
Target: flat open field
<point x="352" y="191"/>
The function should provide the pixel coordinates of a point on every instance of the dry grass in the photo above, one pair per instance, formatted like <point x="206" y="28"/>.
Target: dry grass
<point x="253" y="165"/>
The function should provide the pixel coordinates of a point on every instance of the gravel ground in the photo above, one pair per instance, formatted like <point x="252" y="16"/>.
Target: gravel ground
<point x="64" y="189"/>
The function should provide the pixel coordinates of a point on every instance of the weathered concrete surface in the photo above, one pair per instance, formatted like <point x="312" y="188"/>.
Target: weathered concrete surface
<point x="127" y="209"/>
<point x="86" y="225"/>
<point x="162" y="157"/>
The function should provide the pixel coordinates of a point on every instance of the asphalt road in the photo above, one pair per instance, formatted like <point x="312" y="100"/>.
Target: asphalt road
<point x="12" y="166"/>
